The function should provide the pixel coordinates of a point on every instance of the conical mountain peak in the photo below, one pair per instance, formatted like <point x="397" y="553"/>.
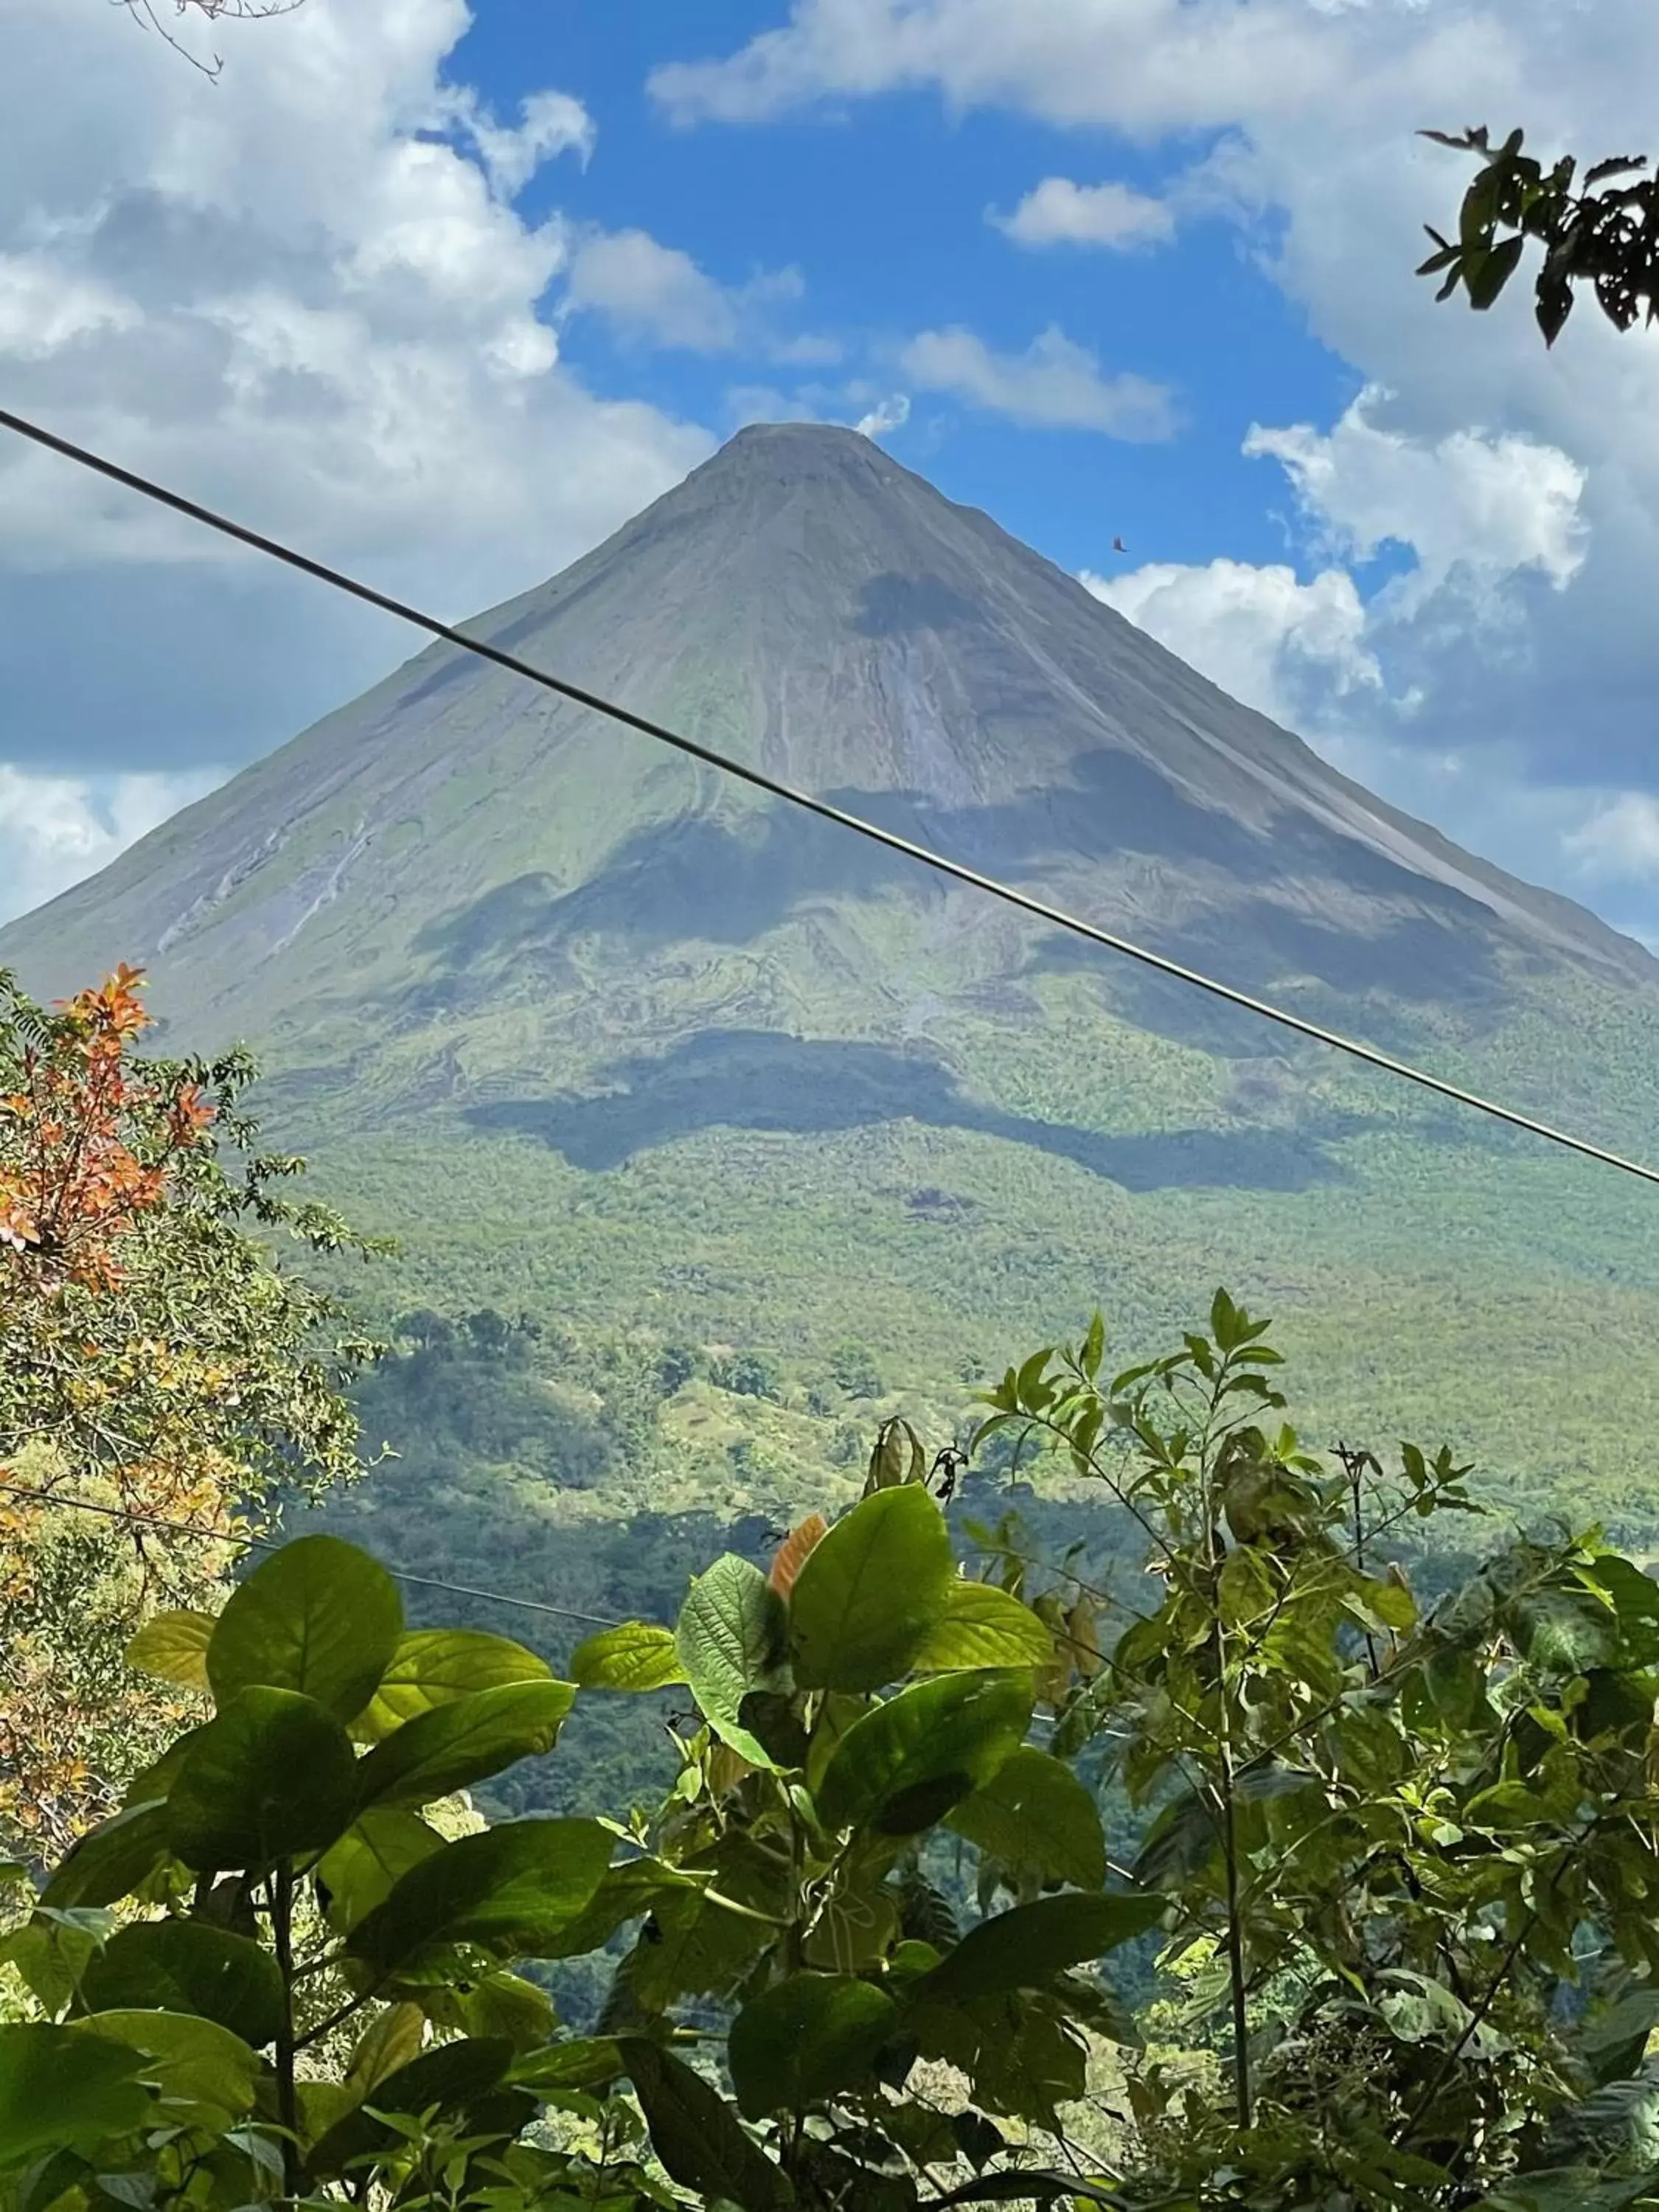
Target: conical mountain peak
<point x="604" y="1034"/>
<point x="807" y="604"/>
<point x="793" y="451"/>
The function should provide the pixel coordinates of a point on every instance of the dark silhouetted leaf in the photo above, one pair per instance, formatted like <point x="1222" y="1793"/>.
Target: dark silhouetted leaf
<point x="272" y="1776"/>
<point x="1035" y="1816"/>
<point x="693" y="2133"/>
<point x="62" y="2090"/>
<point x="189" y="1967"/>
<point x="805" y="2040"/>
<point x="117" y="1857"/>
<point x="1026" y="1948"/>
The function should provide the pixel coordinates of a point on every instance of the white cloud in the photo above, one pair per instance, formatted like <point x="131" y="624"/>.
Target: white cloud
<point x="42" y="310"/>
<point x="550" y="123"/>
<point x="1526" y="483"/>
<point x="1474" y="513"/>
<point x="55" y="830"/>
<point x="1260" y="633"/>
<point x="305" y="294"/>
<point x="1141" y="65"/>
<point x="885" y="417"/>
<point x="1487" y="506"/>
<point x="1621" y="839"/>
<point x="1054" y="385"/>
<point x="656" y="292"/>
<point x="1057" y="212"/>
<point x="653" y="291"/>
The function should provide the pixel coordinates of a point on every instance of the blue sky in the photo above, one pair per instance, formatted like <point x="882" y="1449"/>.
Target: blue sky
<point x="884" y="217"/>
<point x="446" y="293"/>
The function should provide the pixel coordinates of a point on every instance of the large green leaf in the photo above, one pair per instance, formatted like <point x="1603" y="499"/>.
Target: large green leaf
<point x="455" y="1745"/>
<point x="360" y="1871"/>
<point x="507" y="1890"/>
<point x="871" y="1593"/>
<point x="637" y="1655"/>
<point x="1614" y="2041"/>
<point x="1420" y="2009"/>
<point x="984" y="1626"/>
<point x="807" y="2040"/>
<point x="904" y="1764"/>
<point x="1026" y="1948"/>
<point x="203" y="2072"/>
<point x="1247" y="1589"/>
<point x="589" y="2062"/>
<point x="394" y="2036"/>
<point x="698" y="1945"/>
<point x="51" y="1954"/>
<point x="432" y="1666"/>
<point x="1568" y="1632"/>
<point x="320" y="1617"/>
<point x="172" y="1646"/>
<point x="693" y="2134"/>
<point x="114" y="1859"/>
<point x="152" y="1783"/>
<point x="1636" y="1601"/>
<point x="1035" y="1816"/>
<point x="628" y="1893"/>
<point x="1021" y="2054"/>
<point x="60" y="2090"/>
<point x="189" y="1967"/>
<point x="499" y="2008"/>
<point x="730" y="1641"/>
<point x="451" y="2077"/>
<point x="273" y="1775"/>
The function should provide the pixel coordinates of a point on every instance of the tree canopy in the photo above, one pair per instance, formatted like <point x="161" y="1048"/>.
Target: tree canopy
<point x="1372" y="1923"/>
<point x="1600" y="231"/>
<point x="158" y="1359"/>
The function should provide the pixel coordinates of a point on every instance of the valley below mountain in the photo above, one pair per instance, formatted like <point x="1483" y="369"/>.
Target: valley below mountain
<point x="756" y="1133"/>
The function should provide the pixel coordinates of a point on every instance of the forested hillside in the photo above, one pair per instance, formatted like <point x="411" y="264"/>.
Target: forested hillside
<point x="606" y="1039"/>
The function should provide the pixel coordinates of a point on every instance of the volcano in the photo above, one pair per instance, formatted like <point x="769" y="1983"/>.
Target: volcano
<point x="595" y="1028"/>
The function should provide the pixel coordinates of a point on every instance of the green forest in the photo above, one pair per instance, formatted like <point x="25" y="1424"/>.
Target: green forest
<point x="1113" y="1797"/>
<point x="845" y="1558"/>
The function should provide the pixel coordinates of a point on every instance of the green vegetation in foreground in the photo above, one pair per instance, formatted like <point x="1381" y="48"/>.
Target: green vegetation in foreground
<point x="1369" y="1926"/>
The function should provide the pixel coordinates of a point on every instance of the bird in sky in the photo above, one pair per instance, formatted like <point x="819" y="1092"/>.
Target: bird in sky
<point x="1118" y="545"/>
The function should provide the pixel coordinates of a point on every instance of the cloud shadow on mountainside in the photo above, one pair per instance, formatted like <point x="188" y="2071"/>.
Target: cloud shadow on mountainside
<point x="757" y="1079"/>
<point x="699" y="878"/>
<point x="1315" y="970"/>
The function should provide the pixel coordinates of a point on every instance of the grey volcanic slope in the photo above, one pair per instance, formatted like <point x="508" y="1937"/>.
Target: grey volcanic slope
<point x="805" y="602"/>
<point x="601" y="1034"/>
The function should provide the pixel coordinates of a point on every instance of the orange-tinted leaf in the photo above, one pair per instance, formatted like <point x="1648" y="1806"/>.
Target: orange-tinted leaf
<point x="794" y="1551"/>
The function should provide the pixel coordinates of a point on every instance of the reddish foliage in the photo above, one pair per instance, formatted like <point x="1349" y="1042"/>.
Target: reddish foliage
<point x="794" y="1551"/>
<point x="71" y="1185"/>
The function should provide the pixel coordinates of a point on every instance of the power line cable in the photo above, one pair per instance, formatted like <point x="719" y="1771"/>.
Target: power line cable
<point x="1057" y="916"/>
<point x="130" y="1519"/>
